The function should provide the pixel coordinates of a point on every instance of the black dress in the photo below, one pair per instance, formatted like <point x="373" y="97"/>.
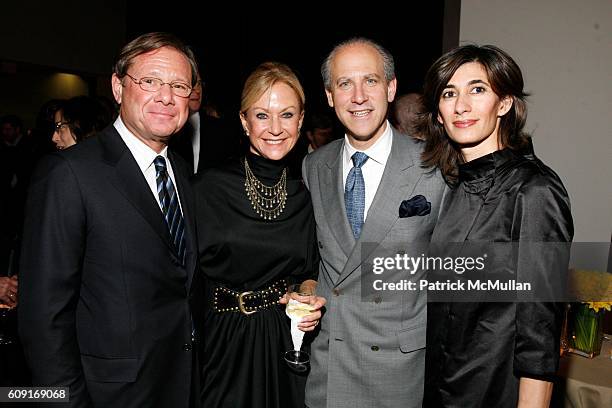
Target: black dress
<point x="241" y="356"/>
<point x="477" y="352"/>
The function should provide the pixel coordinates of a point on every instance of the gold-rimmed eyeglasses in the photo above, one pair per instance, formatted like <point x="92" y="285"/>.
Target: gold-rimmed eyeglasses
<point x="152" y="84"/>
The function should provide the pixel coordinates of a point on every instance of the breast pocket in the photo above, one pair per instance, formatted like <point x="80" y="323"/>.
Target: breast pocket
<point x="407" y="228"/>
<point x="412" y="338"/>
<point x="113" y="370"/>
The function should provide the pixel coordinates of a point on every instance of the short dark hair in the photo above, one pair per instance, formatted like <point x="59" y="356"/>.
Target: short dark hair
<point x="85" y="116"/>
<point x="318" y="120"/>
<point x="387" y="57"/>
<point x="151" y="42"/>
<point x="13" y="120"/>
<point x="506" y="80"/>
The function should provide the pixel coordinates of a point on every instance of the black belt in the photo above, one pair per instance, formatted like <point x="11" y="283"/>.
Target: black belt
<point x="248" y="302"/>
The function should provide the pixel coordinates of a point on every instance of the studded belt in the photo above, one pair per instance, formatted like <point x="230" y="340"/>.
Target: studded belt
<point x="248" y="302"/>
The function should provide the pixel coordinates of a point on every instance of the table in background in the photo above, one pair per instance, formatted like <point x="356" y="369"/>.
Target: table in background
<point x="585" y="383"/>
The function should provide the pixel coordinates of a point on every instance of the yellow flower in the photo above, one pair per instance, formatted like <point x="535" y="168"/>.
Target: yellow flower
<point x="594" y="287"/>
<point x="596" y="306"/>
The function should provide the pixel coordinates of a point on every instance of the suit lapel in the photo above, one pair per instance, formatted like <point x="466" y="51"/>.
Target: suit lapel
<point x="130" y="182"/>
<point x="397" y="183"/>
<point x="332" y="193"/>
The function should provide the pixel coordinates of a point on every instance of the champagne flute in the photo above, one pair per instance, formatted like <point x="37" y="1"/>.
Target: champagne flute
<point x="301" y="298"/>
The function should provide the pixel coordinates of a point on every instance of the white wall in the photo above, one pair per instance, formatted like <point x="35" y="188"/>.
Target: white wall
<point x="564" y="48"/>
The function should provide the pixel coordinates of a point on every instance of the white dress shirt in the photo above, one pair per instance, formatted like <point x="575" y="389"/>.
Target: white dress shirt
<point x="194" y="120"/>
<point x="373" y="168"/>
<point x="144" y="157"/>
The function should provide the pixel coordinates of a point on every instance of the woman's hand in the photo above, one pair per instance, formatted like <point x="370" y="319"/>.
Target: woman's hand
<point x="8" y="291"/>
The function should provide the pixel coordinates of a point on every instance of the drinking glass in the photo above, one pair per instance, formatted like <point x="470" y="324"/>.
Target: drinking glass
<point x="5" y="337"/>
<point x="301" y="298"/>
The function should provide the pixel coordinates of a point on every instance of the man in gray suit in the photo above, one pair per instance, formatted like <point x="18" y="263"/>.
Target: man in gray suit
<point x="369" y="193"/>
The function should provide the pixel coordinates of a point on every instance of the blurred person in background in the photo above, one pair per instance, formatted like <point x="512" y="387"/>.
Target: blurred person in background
<point x="405" y="114"/>
<point x="77" y="119"/>
<point x="319" y="130"/>
<point x="16" y="160"/>
<point x="206" y="140"/>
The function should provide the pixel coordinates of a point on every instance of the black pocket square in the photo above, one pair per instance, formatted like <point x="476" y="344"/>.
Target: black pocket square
<point x="417" y="205"/>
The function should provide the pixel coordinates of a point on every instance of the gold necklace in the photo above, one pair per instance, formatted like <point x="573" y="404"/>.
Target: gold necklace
<point x="268" y="202"/>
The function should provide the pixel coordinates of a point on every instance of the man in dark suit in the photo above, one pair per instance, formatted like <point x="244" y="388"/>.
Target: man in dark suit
<point x="205" y="141"/>
<point x="109" y="250"/>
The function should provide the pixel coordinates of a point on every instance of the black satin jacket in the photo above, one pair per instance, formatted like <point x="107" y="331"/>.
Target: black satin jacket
<point x="477" y="352"/>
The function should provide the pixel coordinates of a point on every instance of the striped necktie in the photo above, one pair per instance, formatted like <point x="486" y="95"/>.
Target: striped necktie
<point x="170" y="207"/>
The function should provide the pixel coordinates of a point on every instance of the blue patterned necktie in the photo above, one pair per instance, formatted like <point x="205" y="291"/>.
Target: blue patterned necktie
<point x="354" y="194"/>
<point x="170" y="207"/>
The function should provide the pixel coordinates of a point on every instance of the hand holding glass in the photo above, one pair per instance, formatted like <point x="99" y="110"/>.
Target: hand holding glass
<point x="8" y="301"/>
<point x="301" y="300"/>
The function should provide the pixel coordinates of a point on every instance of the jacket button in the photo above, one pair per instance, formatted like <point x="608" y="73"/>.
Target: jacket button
<point x="336" y="292"/>
<point x="187" y="347"/>
<point x="320" y="245"/>
<point x="375" y="348"/>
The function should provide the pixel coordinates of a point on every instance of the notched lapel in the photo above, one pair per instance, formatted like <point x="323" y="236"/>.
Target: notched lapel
<point x="398" y="182"/>
<point x="130" y="182"/>
<point x="332" y="198"/>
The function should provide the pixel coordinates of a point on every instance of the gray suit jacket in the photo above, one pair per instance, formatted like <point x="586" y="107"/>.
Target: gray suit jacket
<point x="368" y="352"/>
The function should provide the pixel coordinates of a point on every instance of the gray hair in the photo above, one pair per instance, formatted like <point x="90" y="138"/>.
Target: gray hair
<point x="388" y="63"/>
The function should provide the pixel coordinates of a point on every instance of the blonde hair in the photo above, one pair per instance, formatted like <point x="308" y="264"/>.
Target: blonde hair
<point x="263" y="78"/>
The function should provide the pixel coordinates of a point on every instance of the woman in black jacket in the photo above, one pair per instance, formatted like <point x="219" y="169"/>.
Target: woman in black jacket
<point x="490" y="353"/>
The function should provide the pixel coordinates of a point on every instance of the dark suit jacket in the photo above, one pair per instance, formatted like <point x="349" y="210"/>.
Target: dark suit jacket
<point x="218" y="142"/>
<point x="104" y="301"/>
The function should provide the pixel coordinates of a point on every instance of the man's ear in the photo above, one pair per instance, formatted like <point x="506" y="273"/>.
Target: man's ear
<point x="117" y="88"/>
<point x="391" y="88"/>
<point x="330" y="98"/>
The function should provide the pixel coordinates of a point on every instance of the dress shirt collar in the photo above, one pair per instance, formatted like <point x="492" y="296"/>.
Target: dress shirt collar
<point x="142" y="153"/>
<point x="194" y="119"/>
<point x="379" y="151"/>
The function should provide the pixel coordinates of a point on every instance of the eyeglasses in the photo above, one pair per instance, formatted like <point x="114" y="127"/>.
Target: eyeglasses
<point x="151" y="84"/>
<point x="59" y="125"/>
